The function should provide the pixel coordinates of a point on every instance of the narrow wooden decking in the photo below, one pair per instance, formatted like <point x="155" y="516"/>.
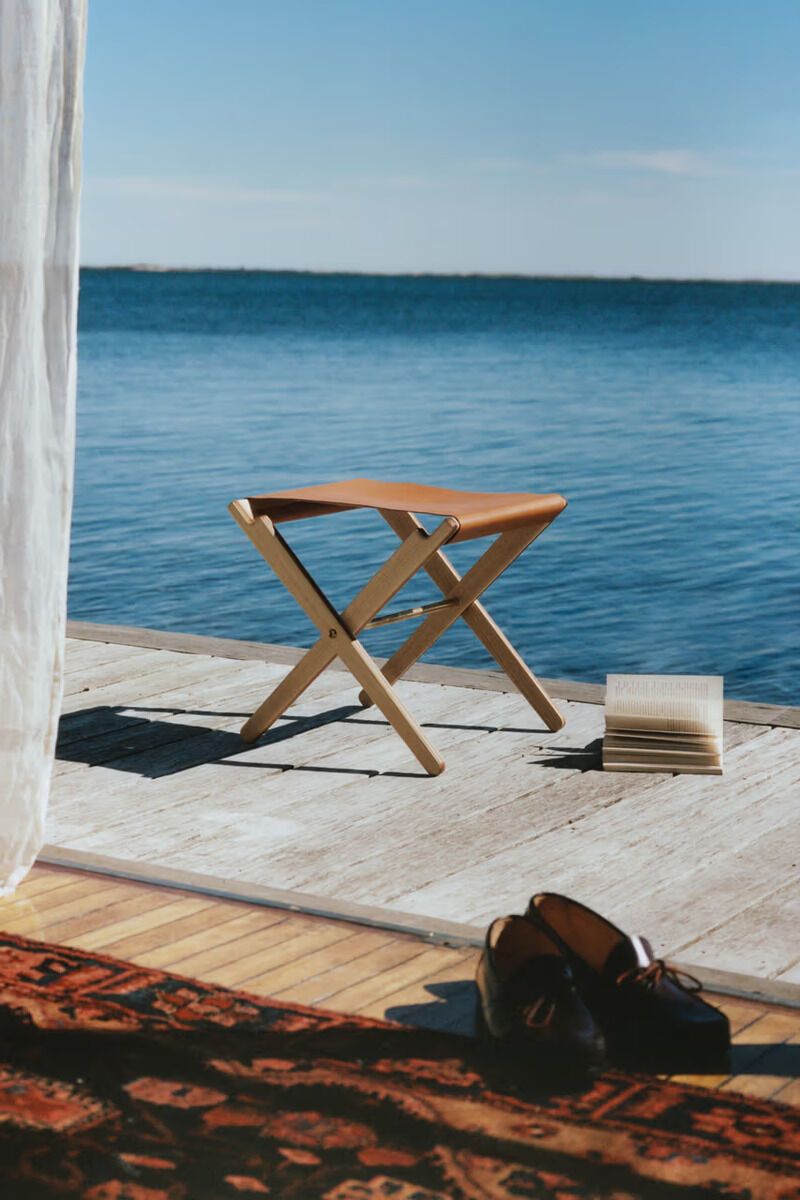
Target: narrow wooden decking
<point x="333" y="964"/>
<point x="152" y="779"/>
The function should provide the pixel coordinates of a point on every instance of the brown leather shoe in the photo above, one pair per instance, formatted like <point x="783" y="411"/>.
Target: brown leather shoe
<point x="644" y="1006"/>
<point x="529" y="1002"/>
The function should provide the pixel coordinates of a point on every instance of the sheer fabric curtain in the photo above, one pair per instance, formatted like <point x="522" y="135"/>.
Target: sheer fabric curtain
<point x="41" y="70"/>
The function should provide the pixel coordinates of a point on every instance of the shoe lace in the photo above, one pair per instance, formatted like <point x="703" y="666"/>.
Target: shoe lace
<point x="652" y="975"/>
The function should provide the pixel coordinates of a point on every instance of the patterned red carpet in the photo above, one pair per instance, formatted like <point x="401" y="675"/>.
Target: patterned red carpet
<point x="119" y="1083"/>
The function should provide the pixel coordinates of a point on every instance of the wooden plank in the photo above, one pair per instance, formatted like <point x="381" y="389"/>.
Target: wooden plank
<point x="736" y="734"/>
<point x="317" y="989"/>
<point x="317" y="944"/>
<point x="143" y="917"/>
<point x="43" y="879"/>
<point x="741" y="1014"/>
<point x="78" y="655"/>
<point x="52" y="899"/>
<point x="201" y="963"/>
<point x="77" y="814"/>
<point x="136" y="665"/>
<point x="189" y="643"/>
<point x="771" y="1077"/>
<point x="740" y="936"/>
<point x="454" y="725"/>
<point x="218" y="929"/>
<point x="690" y="907"/>
<point x="166" y="767"/>
<point x="321" y="960"/>
<point x="321" y="742"/>
<point x="166" y="821"/>
<point x="789" y="1092"/>
<point x="791" y="974"/>
<point x="165" y="674"/>
<point x="738" y="904"/>
<point x="168" y="936"/>
<point x="75" y="811"/>
<point x="365" y="993"/>
<point x="788" y="718"/>
<point x="424" y="1001"/>
<point x="779" y="716"/>
<point x="74" y="884"/>
<point x="27" y="918"/>
<point x="230" y="648"/>
<point x="186" y="643"/>
<point x="299" y="938"/>
<point x="760" y="1056"/>
<point x="95" y="916"/>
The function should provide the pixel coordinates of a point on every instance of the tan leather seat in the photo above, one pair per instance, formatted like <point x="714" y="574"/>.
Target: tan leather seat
<point x="477" y="513"/>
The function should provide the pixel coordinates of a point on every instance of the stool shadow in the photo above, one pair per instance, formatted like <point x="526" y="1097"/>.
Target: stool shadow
<point x="573" y="758"/>
<point x="112" y="737"/>
<point x="131" y="739"/>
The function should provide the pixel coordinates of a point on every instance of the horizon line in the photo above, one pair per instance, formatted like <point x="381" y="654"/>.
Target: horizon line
<point x="547" y="276"/>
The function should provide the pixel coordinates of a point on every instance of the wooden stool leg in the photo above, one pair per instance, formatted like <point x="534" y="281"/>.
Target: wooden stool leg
<point x="515" y="667"/>
<point x="445" y="576"/>
<point x="383" y="696"/>
<point x="339" y="631"/>
<point x="292" y="686"/>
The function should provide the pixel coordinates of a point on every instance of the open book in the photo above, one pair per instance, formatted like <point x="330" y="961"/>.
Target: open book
<point x="664" y="723"/>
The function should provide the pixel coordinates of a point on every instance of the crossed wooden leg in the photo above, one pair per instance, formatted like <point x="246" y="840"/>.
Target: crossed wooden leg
<point x="339" y="631"/>
<point x="465" y="591"/>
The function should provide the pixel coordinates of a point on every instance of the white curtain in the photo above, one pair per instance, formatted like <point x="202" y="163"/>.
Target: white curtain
<point x="41" y="74"/>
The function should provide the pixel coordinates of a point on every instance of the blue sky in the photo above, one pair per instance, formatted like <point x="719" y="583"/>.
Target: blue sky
<point x="528" y="136"/>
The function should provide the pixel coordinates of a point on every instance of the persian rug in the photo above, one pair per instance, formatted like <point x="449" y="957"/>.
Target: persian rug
<point x="122" y="1083"/>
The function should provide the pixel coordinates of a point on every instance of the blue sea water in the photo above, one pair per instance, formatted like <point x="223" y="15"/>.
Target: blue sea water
<point x="668" y="413"/>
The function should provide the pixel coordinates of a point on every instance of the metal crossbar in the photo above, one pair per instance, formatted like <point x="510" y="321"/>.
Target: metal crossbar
<point x="407" y="614"/>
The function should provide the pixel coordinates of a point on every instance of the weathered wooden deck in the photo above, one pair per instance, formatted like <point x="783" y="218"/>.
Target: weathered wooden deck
<point x="330" y="812"/>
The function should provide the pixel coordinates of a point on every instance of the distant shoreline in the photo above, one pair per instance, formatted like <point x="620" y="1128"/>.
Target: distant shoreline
<point x="155" y="269"/>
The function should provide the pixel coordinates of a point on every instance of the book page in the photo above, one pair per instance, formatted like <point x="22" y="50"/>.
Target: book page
<point x="677" y="703"/>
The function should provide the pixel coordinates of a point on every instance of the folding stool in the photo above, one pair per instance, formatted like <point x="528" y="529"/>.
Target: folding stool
<point x="516" y="518"/>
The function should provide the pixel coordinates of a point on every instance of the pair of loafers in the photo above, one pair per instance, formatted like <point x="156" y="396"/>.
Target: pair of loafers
<point x="566" y="989"/>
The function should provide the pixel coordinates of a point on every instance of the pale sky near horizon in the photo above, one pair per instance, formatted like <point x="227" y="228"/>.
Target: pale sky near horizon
<point x="609" y="137"/>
